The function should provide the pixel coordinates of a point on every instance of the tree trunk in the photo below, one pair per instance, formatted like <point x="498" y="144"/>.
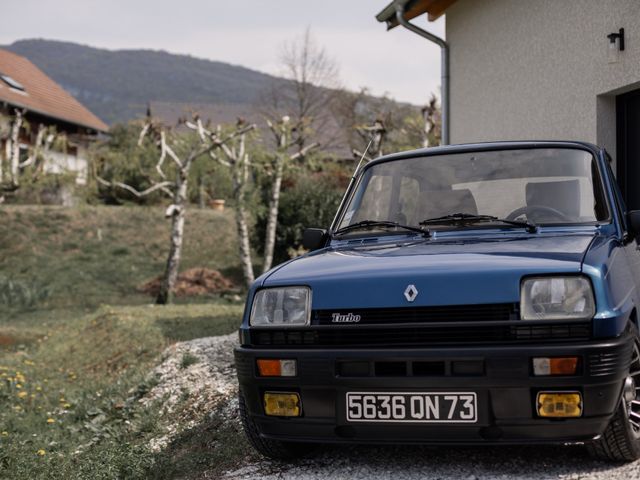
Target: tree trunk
<point x="376" y="145"/>
<point x="201" y="192"/>
<point x="2" y="157"/>
<point x="272" y="216"/>
<point x="14" y="158"/>
<point x="177" y="212"/>
<point x="240" y="178"/>
<point x="245" y="248"/>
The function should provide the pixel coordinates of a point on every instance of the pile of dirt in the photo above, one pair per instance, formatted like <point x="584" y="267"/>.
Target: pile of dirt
<point x="193" y="282"/>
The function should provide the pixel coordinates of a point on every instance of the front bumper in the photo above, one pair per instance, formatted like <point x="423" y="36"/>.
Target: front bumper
<point x="500" y="375"/>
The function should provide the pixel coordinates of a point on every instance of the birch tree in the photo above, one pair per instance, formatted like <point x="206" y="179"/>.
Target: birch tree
<point x="10" y="167"/>
<point x="177" y="187"/>
<point x="231" y="151"/>
<point x="44" y="141"/>
<point x="234" y="156"/>
<point x="282" y="132"/>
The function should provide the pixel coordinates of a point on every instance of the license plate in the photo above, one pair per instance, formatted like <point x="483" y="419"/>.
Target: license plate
<point x="416" y="407"/>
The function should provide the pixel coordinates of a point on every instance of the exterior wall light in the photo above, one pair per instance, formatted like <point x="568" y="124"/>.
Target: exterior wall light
<point x="616" y="45"/>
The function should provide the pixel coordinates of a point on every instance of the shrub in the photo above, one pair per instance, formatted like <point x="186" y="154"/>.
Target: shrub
<point x="15" y="293"/>
<point x="309" y="200"/>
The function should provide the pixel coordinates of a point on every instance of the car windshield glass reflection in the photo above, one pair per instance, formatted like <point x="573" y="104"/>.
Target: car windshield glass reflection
<point x="511" y="188"/>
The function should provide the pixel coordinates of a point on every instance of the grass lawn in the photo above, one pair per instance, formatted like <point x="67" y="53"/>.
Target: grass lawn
<point x="88" y="256"/>
<point x="77" y="342"/>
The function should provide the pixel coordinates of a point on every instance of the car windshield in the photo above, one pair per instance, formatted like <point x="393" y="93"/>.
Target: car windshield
<point x="542" y="186"/>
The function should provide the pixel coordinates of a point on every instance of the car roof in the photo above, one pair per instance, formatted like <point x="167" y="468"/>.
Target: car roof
<point x="484" y="147"/>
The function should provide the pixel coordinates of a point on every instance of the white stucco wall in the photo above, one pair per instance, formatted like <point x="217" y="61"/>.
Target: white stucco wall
<point x="539" y="69"/>
<point x="61" y="163"/>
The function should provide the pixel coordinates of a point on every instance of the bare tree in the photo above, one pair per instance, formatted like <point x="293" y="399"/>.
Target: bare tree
<point x="378" y="123"/>
<point x="236" y="157"/>
<point x="177" y="188"/>
<point x="313" y="83"/>
<point x="282" y="132"/>
<point x="347" y="110"/>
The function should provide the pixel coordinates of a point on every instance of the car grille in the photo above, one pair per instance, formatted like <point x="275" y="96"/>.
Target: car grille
<point x="436" y="334"/>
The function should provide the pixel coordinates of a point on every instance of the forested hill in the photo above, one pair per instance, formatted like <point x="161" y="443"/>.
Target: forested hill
<point x="117" y="84"/>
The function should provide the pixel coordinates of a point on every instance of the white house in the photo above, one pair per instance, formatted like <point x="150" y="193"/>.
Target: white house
<point x="26" y="92"/>
<point x="541" y="69"/>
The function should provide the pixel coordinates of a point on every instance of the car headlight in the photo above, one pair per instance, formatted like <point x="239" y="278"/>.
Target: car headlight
<point x="281" y="307"/>
<point x="557" y="298"/>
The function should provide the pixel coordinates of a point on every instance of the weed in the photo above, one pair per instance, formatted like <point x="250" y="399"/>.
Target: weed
<point x="188" y="359"/>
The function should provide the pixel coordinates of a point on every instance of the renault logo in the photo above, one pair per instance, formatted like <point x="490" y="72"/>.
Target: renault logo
<point x="410" y="293"/>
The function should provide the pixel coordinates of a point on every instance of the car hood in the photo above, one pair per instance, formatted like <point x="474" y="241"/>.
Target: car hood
<point x="444" y="271"/>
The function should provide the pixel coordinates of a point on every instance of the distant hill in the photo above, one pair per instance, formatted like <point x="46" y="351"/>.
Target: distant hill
<point x="117" y="84"/>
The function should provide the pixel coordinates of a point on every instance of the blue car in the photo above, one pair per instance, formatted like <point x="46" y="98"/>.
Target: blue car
<point x="470" y="294"/>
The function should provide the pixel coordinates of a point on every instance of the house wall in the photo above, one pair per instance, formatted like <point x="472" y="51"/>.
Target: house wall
<point x="61" y="163"/>
<point x="539" y="69"/>
<point x="56" y="162"/>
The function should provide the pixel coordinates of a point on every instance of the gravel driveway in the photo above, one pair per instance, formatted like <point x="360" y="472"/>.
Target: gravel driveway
<point x="398" y="463"/>
<point x="213" y="377"/>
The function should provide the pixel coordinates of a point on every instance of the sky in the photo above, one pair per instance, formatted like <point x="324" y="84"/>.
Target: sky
<point x="245" y="32"/>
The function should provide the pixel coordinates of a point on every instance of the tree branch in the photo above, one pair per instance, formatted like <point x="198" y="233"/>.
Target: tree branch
<point x="158" y="186"/>
<point x="304" y="151"/>
<point x="240" y="131"/>
<point x="143" y="133"/>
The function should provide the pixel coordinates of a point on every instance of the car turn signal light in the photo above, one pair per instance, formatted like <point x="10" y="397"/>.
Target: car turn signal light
<point x="269" y="367"/>
<point x="280" y="404"/>
<point x="555" y="366"/>
<point x="559" y="404"/>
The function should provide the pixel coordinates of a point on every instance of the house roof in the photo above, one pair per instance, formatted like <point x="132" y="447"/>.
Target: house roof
<point x="413" y="8"/>
<point x="41" y="94"/>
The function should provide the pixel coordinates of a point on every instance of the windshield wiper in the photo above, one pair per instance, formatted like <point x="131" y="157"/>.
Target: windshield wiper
<point x="463" y="218"/>
<point x="370" y="224"/>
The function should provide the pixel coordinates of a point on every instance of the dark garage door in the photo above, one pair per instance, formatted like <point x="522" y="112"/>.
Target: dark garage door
<point x="628" y="161"/>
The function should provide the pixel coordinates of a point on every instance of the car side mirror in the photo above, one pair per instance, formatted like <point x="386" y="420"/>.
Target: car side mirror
<point x="633" y="220"/>
<point x="314" y="238"/>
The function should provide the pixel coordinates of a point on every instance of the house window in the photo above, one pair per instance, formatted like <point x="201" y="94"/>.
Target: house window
<point x="13" y="83"/>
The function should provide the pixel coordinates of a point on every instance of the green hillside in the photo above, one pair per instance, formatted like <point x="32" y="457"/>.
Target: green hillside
<point x="116" y="85"/>
<point x="89" y="256"/>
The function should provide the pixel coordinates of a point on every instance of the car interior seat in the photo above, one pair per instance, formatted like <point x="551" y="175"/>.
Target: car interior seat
<point x="563" y="195"/>
<point x="437" y="203"/>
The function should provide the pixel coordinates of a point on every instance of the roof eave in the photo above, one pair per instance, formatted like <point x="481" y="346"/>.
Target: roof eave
<point x="100" y="129"/>
<point x="413" y="8"/>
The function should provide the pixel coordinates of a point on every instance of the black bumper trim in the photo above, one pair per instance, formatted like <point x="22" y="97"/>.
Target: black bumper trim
<point x="506" y="392"/>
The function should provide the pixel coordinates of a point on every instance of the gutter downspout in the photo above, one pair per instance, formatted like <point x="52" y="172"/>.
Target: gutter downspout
<point x="444" y="59"/>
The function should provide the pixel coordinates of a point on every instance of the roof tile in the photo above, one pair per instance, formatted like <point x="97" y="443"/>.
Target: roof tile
<point x="43" y="95"/>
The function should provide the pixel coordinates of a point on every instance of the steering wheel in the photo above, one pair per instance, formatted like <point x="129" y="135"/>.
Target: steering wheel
<point x="533" y="211"/>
